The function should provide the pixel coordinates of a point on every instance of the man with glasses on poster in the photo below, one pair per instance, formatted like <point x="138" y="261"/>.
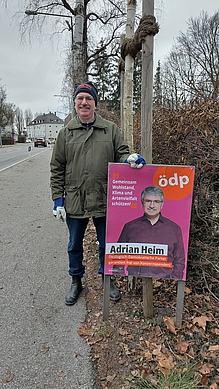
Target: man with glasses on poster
<point x="153" y="228"/>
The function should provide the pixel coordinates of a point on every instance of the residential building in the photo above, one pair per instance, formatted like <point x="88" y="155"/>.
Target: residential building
<point x="46" y="125"/>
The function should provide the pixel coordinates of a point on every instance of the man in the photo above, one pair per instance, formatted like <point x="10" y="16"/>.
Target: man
<point x="154" y="228"/>
<point x="79" y="173"/>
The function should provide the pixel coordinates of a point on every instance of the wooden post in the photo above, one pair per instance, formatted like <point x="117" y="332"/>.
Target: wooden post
<point x="122" y="92"/>
<point x="146" y="128"/>
<point x="106" y="297"/>
<point x="148" y="307"/>
<point x="179" y="303"/>
<point x="128" y="78"/>
<point x="128" y="97"/>
<point x="147" y="87"/>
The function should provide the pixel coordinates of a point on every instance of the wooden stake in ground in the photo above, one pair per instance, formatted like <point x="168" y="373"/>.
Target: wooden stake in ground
<point x="128" y="78"/>
<point x="128" y="95"/>
<point x="146" y="128"/>
<point x="122" y="91"/>
<point x="146" y="152"/>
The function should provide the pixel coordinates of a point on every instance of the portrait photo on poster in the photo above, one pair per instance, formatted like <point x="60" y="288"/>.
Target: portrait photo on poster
<point x="148" y="220"/>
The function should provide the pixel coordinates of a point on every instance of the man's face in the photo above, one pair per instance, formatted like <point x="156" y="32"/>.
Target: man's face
<point x="152" y="205"/>
<point x="85" y="106"/>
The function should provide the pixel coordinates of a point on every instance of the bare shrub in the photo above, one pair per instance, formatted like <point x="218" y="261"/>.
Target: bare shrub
<point x="190" y="136"/>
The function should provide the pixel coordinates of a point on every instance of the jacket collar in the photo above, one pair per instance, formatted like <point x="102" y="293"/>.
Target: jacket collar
<point x="76" y="124"/>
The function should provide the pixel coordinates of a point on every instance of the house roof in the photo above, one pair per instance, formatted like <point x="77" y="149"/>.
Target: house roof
<point x="47" y="118"/>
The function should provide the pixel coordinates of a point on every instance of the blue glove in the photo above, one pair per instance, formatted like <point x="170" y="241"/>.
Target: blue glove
<point x="135" y="160"/>
<point x="59" y="210"/>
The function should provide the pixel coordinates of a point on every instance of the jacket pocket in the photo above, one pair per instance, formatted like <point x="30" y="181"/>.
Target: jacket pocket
<point x="101" y="196"/>
<point x="73" y="200"/>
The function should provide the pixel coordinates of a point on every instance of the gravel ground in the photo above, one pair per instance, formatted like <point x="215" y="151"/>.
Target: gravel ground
<point x="40" y="346"/>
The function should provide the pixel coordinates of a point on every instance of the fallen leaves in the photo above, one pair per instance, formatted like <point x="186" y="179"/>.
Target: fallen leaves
<point x="214" y="386"/>
<point x="9" y="378"/>
<point x="169" y="322"/>
<point x="123" y="332"/>
<point x="201" y="321"/>
<point x="131" y="345"/>
<point x="182" y="346"/>
<point x="110" y="378"/>
<point x="214" y="348"/>
<point x="85" y="331"/>
<point x="45" y="349"/>
<point x="159" y="348"/>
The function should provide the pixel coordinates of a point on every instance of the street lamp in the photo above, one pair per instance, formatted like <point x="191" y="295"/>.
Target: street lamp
<point x="70" y="102"/>
<point x="70" y="25"/>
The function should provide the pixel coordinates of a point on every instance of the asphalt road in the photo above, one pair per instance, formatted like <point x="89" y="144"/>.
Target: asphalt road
<point x="39" y="344"/>
<point x="11" y="155"/>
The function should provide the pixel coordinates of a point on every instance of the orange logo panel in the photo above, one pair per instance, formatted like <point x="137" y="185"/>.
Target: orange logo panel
<point x="176" y="182"/>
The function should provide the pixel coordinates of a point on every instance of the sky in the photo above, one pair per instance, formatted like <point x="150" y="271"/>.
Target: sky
<point x="32" y="74"/>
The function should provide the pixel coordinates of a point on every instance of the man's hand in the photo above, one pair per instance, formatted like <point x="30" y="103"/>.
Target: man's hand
<point x="59" y="210"/>
<point x="135" y="161"/>
<point x="60" y="213"/>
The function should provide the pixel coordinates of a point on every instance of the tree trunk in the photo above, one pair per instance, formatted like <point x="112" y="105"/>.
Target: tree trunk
<point x="128" y="78"/>
<point x="146" y="129"/>
<point x="79" y="64"/>
<point x="128" y="96"/>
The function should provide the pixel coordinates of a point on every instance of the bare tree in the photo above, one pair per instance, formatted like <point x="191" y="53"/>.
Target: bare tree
<point x="91" y="22"/>
<point x="79" y="53"/>
<point x="19" y="120"/>
<point x="3" y="107"/>
<point x="192" y="68"/>
<point x="107" y="17"/>
<point x="7" y="112"/>
<point x="28" y="116"/>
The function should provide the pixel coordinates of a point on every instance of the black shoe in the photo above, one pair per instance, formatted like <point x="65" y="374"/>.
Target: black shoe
<point x="114" y="292"/>
<point x="76" y="288"/>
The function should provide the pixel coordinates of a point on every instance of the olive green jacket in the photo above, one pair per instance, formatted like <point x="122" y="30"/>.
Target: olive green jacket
<point x="79" y="165"/>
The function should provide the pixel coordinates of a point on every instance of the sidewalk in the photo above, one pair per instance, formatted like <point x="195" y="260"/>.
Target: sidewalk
<point x="39" y="344"/>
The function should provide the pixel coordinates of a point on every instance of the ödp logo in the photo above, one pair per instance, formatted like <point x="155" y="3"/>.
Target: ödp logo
<point x="175" y="181"/>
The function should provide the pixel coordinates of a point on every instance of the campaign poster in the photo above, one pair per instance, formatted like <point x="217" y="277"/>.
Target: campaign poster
<point x="148" y="220"/>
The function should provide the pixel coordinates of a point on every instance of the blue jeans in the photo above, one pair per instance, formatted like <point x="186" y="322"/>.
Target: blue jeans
<point x="77" y="229"/>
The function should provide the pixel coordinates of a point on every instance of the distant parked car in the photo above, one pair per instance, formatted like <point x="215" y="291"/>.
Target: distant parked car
<point x="40" y="142"/>
<point x="51" y="140"/>
<point x="28" y="140"/>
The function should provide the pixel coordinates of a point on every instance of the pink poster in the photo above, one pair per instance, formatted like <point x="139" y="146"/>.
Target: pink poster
<point x="148" y="220"/>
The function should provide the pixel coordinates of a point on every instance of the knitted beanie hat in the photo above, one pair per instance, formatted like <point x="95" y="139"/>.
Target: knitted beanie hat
<point x="87" y="87"/>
